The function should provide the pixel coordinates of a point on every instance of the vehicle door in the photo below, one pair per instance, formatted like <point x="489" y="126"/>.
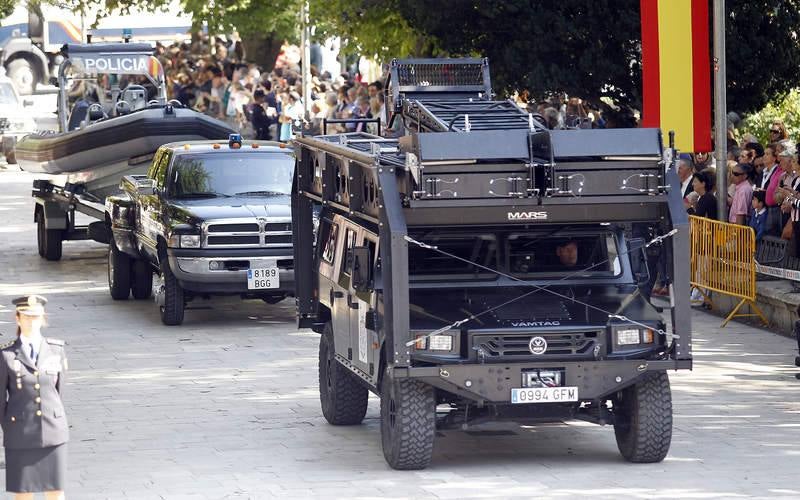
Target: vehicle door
<point x="342" y="293"/>
<point x="326" y="262"/>
<point x="152" y="205"/>
<point x="360" y="303"/>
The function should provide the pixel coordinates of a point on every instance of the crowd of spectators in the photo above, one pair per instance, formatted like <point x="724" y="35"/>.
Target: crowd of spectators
<point x="213" y="77"/>
<point x="763" y="185"/>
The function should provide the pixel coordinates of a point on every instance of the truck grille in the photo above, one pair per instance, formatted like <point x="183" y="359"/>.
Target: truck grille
<point x="561" y="345"/>
<point x="245" y="234"/>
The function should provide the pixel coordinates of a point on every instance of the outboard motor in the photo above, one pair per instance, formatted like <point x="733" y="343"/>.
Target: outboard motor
<point x="135" y="96"/>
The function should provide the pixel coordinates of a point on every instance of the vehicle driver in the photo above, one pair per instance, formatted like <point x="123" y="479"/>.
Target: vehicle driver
<point x="567" y="253"/>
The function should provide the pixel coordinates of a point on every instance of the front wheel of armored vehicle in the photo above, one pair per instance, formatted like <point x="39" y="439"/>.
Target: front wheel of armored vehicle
<point x="142" y="284"/>
<point x="408" y="422"/>
<point x="171" y="302"/>
<point x="343" y="398"/>
<point x="643" y="419"/>
<point x="119" y="273"/>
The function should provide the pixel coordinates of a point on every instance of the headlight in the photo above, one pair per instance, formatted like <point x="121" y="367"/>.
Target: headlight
<point x="184" y="241"/>
<point x="628" y="336"/>
<point x="434" y="343"/>
<point x="632" y="336"/>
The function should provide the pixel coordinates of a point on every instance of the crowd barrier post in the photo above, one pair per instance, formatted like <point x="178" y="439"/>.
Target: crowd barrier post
<point x="723" y="261"/>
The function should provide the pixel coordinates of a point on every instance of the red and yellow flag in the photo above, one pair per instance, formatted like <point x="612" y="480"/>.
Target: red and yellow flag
<point x="676" y="71"/>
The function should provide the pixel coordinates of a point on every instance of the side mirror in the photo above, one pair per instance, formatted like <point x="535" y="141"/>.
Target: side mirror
<point x="362" y="269"/>
<point x="146" y="187"/>
<point x="27" y="103"/>
<point x="636" y="250"/>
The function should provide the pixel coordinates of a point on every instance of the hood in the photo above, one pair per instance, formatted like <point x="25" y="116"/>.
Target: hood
<point x="236" y="208"/>
<point x="432" y="309"/>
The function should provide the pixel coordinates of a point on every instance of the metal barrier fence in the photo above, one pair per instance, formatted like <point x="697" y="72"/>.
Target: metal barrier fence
<point x="773" y="260"/>
<point x="723" y="261"/>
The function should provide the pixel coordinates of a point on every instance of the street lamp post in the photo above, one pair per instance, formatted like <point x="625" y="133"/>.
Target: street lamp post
<point x="720" y="110"/>
<point x="306" y="43"/>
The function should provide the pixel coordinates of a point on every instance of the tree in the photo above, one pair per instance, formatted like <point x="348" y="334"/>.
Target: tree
<point x="372" y="28"/>
<point x="6" y="8"/>
<point x="592" y="48"/>
<point x="587" y="48"/>
<point x="262" y="25"/>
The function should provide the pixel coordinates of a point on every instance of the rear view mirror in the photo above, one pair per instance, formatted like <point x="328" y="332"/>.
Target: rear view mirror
<point x="636" y="250"/>
<point x="362" y="269"/>
<point x="146" y="187"/>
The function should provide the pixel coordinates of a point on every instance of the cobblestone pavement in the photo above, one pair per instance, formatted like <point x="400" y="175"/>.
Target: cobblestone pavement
<point x="226" y="406"/>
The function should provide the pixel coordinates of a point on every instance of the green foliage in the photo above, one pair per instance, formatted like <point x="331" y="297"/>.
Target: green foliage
<point x="763" y="54"/>
<point x="6" y="8"/>
<point x="587" y="48"/>
<point x="372" y="28"/>
<point x="786" y="110"/>
<point x="248" y="17"/>
<point x="591" y="48"/>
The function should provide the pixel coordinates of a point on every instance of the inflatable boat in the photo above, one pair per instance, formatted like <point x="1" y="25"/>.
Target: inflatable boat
<point x="111" y="130"/>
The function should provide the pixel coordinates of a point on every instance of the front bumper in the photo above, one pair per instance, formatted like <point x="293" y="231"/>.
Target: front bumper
<point x="194" y="273"/>
<point x="492" y="383"/>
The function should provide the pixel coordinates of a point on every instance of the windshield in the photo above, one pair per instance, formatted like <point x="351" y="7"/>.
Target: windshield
<point x="525" y="255"/>
<point x="244" y="174"/>
<point x="7" y="96"/>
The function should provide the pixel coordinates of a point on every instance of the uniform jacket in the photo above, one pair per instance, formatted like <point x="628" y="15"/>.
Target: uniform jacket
<point x="30" y="406"/>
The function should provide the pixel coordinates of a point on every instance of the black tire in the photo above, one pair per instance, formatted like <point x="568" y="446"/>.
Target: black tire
<point x="408" y="423"/>
<point x="342" y="396"/>
<point x="119" y="273"/>
<point x="52" y="243"/>
<point x="40" y="234"/>
<point x="173" y="301"/>
<point x="643" y="419"/>
<point x="23" y="74"/>
<point x="142" y="283"/>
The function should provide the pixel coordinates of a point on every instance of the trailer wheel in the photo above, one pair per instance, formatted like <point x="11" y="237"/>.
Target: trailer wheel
<point x="643" y="419"/>
<point x="408" y="422"/>
<point x="48" y="240"/>
<point x="142" y="283"/>
<point x="119" y="273"/>
<point x="171" y="302"/>
<point x="342" y="396"/>
<point x="40" y="234"/>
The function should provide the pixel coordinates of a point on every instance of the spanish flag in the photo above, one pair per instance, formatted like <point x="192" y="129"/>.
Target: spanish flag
<point x="676" y="71"/>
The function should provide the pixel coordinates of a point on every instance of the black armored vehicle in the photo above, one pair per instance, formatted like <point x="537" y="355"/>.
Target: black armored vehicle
<point x="482" y="267"/>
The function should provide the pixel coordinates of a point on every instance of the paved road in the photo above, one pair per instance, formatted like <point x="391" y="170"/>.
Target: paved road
<point x="226" y="406"/>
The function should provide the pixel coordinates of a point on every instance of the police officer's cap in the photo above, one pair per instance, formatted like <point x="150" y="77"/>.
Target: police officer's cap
<point x="30" y="305"/>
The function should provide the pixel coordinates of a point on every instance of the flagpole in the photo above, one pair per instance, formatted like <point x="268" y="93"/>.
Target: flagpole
<point x="720" y="111"/>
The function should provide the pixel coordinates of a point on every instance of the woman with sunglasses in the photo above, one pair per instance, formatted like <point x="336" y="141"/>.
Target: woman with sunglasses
<point x="777" y="131"/>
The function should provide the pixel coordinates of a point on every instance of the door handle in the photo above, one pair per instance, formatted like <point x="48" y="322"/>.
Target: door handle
<point x="350" y="303"/>
<point x="336" y="295"/>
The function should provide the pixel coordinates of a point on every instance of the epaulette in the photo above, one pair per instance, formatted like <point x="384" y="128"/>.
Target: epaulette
<point x="55" y="341"/>
<point x="6" y="345"/>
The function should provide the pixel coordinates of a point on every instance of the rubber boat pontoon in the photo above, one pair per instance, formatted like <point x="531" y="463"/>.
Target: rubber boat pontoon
<point x="111" y="133"/>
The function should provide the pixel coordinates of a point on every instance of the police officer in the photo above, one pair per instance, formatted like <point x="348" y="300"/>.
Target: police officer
<point x="35" y="431"/>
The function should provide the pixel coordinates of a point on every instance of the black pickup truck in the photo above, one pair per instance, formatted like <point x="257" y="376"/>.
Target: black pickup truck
<point x="208" y="219"/>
